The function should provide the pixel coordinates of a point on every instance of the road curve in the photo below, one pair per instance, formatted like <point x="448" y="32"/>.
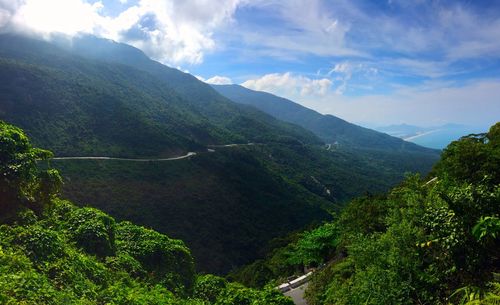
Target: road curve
<point x="189" y="154"/>
<point x="233" y="145"/>
<point x="297" y="294"/>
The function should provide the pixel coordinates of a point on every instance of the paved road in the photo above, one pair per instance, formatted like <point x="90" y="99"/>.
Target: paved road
<point x="234" y="145"/>
<point x="189" y="154"/>
<point x="297" y="294"/>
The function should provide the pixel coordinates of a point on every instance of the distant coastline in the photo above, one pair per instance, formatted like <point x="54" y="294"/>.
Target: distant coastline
<point x="421" y="135"/>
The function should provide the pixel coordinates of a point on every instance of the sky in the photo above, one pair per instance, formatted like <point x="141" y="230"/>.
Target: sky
<point x="374" y="63"/>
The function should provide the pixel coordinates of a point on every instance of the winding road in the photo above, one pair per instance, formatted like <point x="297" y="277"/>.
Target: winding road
<point x="189" y="154"/>
<point x="295" y="288"/>
<point x="297" y="294"/>
<point x="235" y="145"/>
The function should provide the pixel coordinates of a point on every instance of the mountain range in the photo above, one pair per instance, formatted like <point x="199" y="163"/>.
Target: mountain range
<point x="329" y="128"/>
<point x="94" y="97"/>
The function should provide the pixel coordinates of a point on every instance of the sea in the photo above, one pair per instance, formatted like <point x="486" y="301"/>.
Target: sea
<point x="440" y="138"/>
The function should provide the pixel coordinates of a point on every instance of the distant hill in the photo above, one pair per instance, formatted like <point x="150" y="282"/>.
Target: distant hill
<point x="329" y="128"/>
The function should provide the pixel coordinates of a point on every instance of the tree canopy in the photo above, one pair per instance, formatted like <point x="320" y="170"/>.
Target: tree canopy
<point x="52" y="252"/>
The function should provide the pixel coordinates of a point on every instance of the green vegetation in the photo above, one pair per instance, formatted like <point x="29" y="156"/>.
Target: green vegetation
<point x="341" y="174"/>
<point x="329" y="128"/>
<point x="308" y="249"/>
<point x="225" y="205"/>
<point x="94" y="97"/>
<point x="260" y="192"/>
<point x="52" y="252"/>
<point x="431" y="241"/>
<point x="425" y="242"/>
<point x="75" y="105"/>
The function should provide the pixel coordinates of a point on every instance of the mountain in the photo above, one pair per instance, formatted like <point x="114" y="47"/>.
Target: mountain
<point x="225" y="205"/>
<point x="401" y="247"/>
<point x="82" y="106"/>
<point x="95" y="97"/>
<point x="80" y="103"/>
<point x="52" y="252"/>
<point x="329" y="128"/>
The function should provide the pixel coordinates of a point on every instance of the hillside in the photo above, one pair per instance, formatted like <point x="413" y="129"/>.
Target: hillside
<point x="52" y="252"/>
<point x="329" y="128"/>
<point x="260" y="192"/>
<point x="81" y="102"/>
<point x="99" y="98"/>
<point x="427" y="241"/>
<point x="225" y="205"/>
<point x="84" y="107"/>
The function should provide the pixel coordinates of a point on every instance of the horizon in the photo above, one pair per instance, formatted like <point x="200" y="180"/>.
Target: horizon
<point x="426" y="63"/>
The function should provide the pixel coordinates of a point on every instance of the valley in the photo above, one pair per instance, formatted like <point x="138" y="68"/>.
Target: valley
<point x="108" y="112"/>
<point x="239" y="152"/>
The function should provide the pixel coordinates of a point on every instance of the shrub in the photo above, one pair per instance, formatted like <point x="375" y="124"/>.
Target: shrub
<point x="166" y="260"/>
<point x="92" y="230"/>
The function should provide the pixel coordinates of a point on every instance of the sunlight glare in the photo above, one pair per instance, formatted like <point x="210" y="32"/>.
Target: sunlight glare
<point x="63" y="16"/>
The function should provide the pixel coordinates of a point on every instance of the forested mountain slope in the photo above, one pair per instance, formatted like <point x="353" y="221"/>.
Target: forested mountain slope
<point x="329" y="128"/>
<point x="89" y="106"/>
<point x="95" y="97"/>
<point x="52" y="252"/>
<point x="85" y="107"/>
<point x="225" y="205"/>
<point x="427" y="241"/>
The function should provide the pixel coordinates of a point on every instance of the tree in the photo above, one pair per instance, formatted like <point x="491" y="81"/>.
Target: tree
<point x="21" y="184"/>
<point x="472" y="158"/>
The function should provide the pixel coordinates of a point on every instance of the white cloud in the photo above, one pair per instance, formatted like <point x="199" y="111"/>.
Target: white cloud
<point x="180" y="32"/>
<point x="344" y="71"/>
<point x="62" y="16"/>
<point x="430" y="104"/>
<point x="449" y="31"/>
<point x="168" y="30"/>
<point x="289" y="85"/>
<point x="438" y="34"/>
<point x="7" y="10"/>
<point x="219" y="80"/>
<point x="173" y="31"/>
<point x="305" y="27"/>
<point x="343" y="67"/>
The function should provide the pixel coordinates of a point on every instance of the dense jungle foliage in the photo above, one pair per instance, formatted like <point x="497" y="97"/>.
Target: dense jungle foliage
<point x="227" y="205"/>
<point x="52" y="252"/>
<point x="75" y="105"/>
<point x="268" y="191"/>
<point x="428" y="241"/>
<point x="95" y="97"/>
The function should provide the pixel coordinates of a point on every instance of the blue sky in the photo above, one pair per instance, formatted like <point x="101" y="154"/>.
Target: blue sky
<point x="371" y="62"/>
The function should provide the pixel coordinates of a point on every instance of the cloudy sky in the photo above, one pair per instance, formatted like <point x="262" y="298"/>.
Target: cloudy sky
<point x="370" y="62"/>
